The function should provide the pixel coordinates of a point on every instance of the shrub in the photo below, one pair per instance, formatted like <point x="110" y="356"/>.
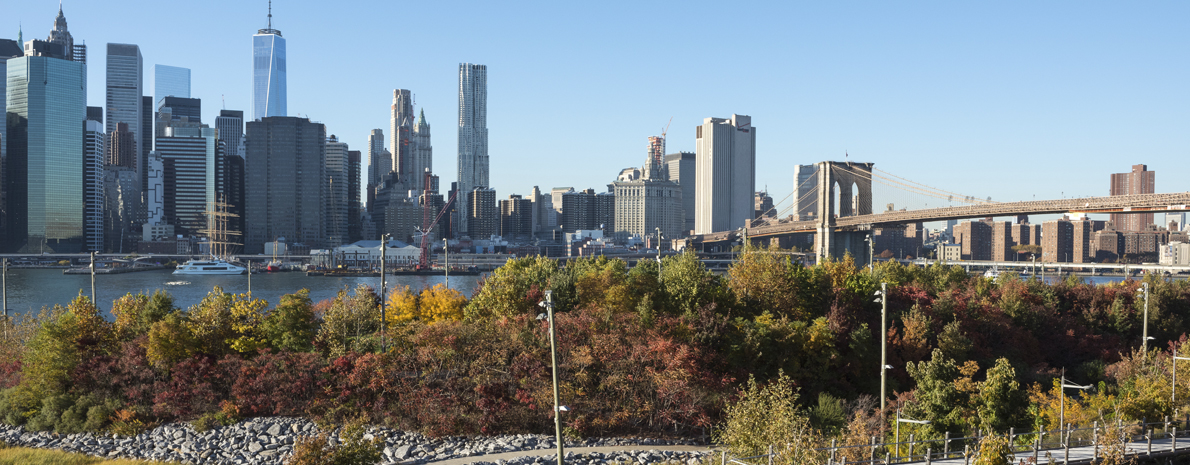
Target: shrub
<point x="766" y="415"/>
<point x="352" y="448"/>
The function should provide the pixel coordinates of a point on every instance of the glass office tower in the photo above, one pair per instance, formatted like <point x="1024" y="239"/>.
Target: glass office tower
<point x="47" y="105"/>
<point x="268" y="75"/>
<point x="170" y="81"/>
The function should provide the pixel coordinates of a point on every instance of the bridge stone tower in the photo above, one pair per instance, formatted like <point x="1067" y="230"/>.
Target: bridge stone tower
<point x="851" y="181"/>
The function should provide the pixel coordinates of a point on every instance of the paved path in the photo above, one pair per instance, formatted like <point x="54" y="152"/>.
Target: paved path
<point x="576" y="450"/>
<point x="1085" y="454"/>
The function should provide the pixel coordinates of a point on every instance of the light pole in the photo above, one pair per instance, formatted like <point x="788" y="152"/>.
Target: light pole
<point x="548" y="303"/>
<point x="1173" y="385"/>
<point x="383" y="291"/>
<point x="658" y="255"/>
<point x="5" y="297"/>
<point x="897" y="435"/>
<point x="93" y="301"/>
<point x="882" y="297"/>
<point x="871" y="252"/>
<point x="1033" y="257"/>
<point x="1144" y="345"/>
<point x="249" y="263"/>
<point x="446" y="259"/>
<point x="1062" y="398"/>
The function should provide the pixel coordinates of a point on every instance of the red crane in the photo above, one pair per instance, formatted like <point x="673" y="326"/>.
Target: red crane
<point x="424" y="263"/>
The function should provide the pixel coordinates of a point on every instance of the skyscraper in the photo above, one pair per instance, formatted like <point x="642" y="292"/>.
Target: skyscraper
<point x="121" y="147"/>
<point x="681" y="170"/>
<point x="268" y="75"/>
<point x="94" y="141"/>
<point x="337" y="170"/>
<point x="805" y="186"/>
<point x="401" y="132"/>
<point x="1139" y="181"/>
<point x="642" y="205"/>
<point x="423" y="154"/>
<point x="170" y="81"/>
<point x="124" y="90"/>
<point x="725" y="163"/>
<point x="354" y="210"/>
<point x="47" y="107"/>
<point x="473" y="137"/>
<point x="191" y="163"/>
<point x="61" y="35"/>
<point x="376" y="166"/>
<point x="286" y="165"/>
<point x="231" y="129"/>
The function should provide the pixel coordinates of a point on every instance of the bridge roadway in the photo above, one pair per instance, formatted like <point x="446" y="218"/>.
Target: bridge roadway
<point x="1140" y="203"/>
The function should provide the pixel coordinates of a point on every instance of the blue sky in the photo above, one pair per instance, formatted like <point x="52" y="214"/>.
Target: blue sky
<point x="1003" y="99"/>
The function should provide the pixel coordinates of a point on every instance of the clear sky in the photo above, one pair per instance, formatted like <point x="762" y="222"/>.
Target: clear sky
<point x="1003" y="99"/>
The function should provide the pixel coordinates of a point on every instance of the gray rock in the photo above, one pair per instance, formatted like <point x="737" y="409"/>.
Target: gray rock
<point x="274" y="430"/>
<point x="255" y="447"/>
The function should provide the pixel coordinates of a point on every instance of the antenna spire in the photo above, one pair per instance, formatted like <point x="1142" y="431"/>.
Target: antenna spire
<point x="270" y="14"/>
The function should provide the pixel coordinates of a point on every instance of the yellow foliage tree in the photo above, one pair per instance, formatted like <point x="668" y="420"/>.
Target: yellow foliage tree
<point x="402" y="306"/>
<point x="247" y="318"/>
<point x="441" y="303"/>
<point x="1049" y="406"/>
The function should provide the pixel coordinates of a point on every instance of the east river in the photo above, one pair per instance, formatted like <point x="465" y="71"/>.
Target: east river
<point x="31" y="289"/>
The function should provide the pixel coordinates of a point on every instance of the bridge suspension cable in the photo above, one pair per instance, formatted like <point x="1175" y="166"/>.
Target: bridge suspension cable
<point x="928" y="190"/>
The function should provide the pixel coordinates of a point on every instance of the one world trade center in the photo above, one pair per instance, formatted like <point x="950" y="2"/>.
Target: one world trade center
<point x="268" y="75"/>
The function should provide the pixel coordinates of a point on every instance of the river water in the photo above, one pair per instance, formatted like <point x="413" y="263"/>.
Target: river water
<point x="31" y="289"/>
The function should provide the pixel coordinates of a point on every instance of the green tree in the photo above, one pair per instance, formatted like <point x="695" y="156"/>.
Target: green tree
<point x="937" y="398"/>
<point x="292" y="325"/>
<point x="689" y="285"/>
<point x="506" y="292"/>
<point x="1001" y="403"/>
<point x="351" y="323"/>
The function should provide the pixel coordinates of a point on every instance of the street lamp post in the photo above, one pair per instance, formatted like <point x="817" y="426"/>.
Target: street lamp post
<point x="882" y="297"/>
<point x="658" y="255"/>
<point x="1144" y="345"/>
<point x="548" y="303"/>
<point x="383" y="291"/>
<point x="897" y="434"/>
<point x="93" y="301"/>
<point x="871" y="252"/>
<point x="446" y="259"/>
<point x="1062" y="398"/>
<point x="1173" y="385"/>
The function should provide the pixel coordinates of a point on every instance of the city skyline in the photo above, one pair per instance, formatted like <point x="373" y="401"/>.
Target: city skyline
<point x="1083" y="92"/>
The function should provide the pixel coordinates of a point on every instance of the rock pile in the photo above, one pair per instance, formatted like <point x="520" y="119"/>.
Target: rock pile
<point x="270" y="441"/>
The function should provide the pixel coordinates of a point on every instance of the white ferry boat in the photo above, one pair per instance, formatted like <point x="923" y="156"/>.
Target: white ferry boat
<point x="209" y="266"/>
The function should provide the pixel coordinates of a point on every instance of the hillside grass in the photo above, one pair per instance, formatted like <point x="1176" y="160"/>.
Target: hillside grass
<point x="29" y="456"/>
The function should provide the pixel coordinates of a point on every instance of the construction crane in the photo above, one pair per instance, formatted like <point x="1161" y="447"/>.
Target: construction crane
<point x="424" y="262"/>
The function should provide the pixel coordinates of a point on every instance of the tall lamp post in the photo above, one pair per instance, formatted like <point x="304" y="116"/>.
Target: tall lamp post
<point x="446" y="259"/>
<point x="548" y="303"/>
<point x="1173" y="385"/>
<point x="882" y="297"/>
<point x="1062" y="398"/>
<point x="897" y="435"/>
<point x="1144" y="345"/>
<point x="383" y="291"/>
<point x="93" y="301"/>
<point x="871" y="252"/>
<point x="658" y="254"/>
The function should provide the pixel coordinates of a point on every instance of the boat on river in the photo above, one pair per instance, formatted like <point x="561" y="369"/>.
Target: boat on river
<point x="209" y="266"/>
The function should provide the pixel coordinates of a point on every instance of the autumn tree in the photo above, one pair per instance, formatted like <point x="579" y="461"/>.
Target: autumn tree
<point x="440" y="303"/>
<point x="292" y="325"/>
<point x="507" y="290"/>
<point x="402" y="306"/>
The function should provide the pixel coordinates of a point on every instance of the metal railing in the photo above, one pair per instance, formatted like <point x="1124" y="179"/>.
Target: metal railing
<point x="1136" y="438"/>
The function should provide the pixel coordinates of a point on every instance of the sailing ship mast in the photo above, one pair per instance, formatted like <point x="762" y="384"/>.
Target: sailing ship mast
<point x="217" y="232"/>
